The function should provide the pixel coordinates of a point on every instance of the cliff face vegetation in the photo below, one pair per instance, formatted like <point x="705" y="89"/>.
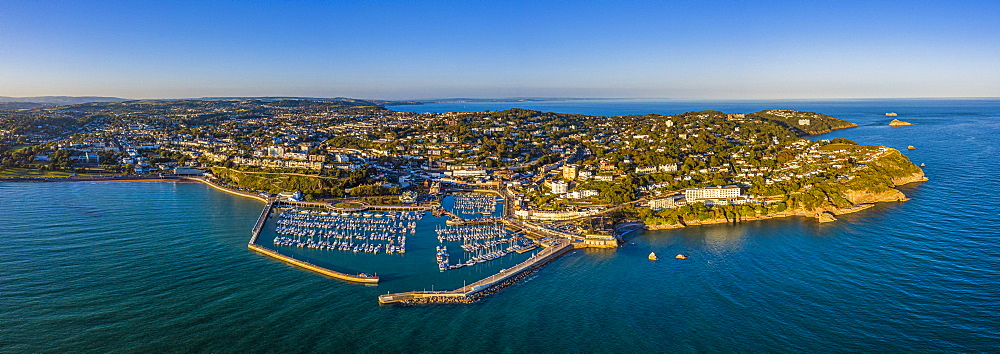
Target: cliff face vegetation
<point x="872" y="182"/>
<point x="342" y="184"/>
<point x="890" y="170"/>
<point x="876" y="180"/>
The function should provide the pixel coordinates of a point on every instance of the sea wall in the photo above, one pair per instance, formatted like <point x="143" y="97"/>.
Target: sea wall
<point x="227" y="190"/>
<point x="312" y="267"/>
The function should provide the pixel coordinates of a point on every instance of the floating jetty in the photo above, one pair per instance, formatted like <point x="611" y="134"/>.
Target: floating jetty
<point x="480" y="244"/>
<point x="480" y="221"/>
<point x="485" y="204"/>
<point x="482" y="288"/>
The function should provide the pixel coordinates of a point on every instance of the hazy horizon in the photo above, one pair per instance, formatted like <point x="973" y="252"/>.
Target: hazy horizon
<point x="13" y="98"/>
<point x="419" y="51"/>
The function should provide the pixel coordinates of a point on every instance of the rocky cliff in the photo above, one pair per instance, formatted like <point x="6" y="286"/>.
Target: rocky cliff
<point x="876" y="182"/>
<point x="867" y="196"/>
<point x="914" y="177"/>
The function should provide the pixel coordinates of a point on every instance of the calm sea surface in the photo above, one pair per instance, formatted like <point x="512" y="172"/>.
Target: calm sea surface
<point x="163" y="266"/>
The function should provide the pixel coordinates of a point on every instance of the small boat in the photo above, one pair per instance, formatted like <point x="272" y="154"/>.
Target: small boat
<point x="923" y="165"/>
<point x="911" y="147"/>
<point x="681" y="256"/>
<point x="652" y="256"/>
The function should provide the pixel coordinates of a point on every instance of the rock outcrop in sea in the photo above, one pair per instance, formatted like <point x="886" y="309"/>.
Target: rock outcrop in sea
<point x="899" y="123"/>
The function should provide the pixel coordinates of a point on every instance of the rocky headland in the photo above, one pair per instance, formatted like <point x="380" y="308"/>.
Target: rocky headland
<point x="875" y="182"/>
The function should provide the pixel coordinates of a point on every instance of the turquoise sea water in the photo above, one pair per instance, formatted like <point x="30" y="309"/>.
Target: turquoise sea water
<point x="154" y="266"/>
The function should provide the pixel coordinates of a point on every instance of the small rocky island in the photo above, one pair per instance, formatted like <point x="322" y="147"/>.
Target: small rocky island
<point x="899" y="123"/>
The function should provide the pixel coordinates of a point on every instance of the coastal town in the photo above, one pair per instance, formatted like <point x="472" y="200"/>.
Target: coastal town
<point x="666" y="171"/>
<point x="338" y="173"/>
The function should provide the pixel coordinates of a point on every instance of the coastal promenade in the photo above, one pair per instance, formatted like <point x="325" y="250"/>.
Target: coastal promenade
<point x="484" y="287"/>
<point x="226" y="189"/>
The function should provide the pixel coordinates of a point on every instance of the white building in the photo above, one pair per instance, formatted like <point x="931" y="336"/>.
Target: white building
<point x="570" y="171"/>
<point x="293" y="196"/>
<point x="276" y="151"/>
<point x="296" y="156"/>
<point x="559" y="187"/>
<point x="670" y="167"/>
<point x="718" y="192"/>
<point x="645" y="169"/>
<point x="584" y="193"/>
<point x="662" y="203"/>
<point x="604" y="178"/>
<point x="466" y="173"/>
<point x="188" y="171"/>
<point x="549" y="215"/>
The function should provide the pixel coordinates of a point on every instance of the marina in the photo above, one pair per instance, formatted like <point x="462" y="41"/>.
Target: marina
<point x="479" y="244"/>
<point x="259" y="227"/>
<point x="307" y="231"/>
<point x="356" y="232"/>
<point x="475" y="204"/>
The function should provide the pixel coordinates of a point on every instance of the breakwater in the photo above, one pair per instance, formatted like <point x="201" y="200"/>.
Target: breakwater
<point x="259" y="226"/>
<point x="360" y="278"/>
<point x="484" y="287"/>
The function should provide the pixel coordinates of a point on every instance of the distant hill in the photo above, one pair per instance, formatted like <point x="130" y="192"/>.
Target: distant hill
<point x="13" y="106"/>
<point x="509" y="99"/>
<point x="59" y="100"/>
<point x="354" y="101"/>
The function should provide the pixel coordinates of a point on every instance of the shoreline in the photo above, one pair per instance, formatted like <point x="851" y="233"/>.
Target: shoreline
<point x="783" y="214"/>
<point x="224" y="189"/>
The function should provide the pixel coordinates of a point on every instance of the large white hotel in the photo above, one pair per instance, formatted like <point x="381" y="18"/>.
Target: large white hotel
<point x="719" y="192"/>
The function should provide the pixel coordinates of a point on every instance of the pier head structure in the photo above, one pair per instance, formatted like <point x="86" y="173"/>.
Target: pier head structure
<point x="484" y="287"/>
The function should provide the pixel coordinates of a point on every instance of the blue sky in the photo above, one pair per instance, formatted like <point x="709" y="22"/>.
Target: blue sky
<point x="414" y="50"/>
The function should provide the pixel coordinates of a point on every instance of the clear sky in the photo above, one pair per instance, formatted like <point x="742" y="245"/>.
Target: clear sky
<point x="439" y="49"/>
